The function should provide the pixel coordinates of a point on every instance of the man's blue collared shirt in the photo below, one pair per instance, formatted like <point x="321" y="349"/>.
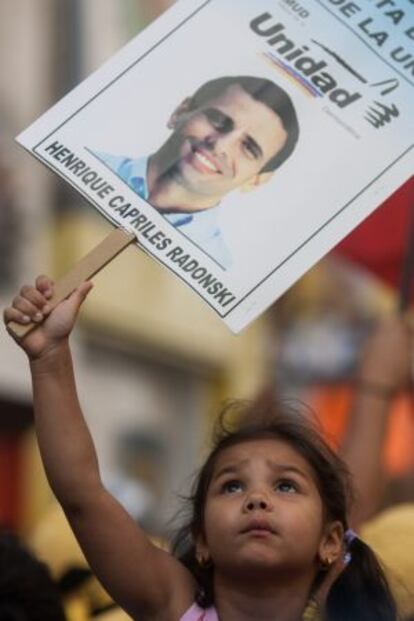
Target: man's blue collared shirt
<point x="200" y="226"/>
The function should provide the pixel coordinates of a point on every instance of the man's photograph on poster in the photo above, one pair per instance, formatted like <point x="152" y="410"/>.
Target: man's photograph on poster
<point x="231" y="134"/>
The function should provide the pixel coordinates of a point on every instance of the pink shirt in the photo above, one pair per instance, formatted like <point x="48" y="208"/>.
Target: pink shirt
<point x="199" y="614"/>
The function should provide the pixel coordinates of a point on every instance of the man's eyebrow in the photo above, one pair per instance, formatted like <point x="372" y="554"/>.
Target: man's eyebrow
<point x="228" y="121"/>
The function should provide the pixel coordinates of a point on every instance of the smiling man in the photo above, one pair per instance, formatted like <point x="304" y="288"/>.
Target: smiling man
<point x="234" y="132"/>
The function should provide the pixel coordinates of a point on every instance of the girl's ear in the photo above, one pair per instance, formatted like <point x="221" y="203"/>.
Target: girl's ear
<point x="331" y="559"/>
<point x="183" y="108"/>
<point x="331" y="545"/>
<point x="202" y="551"/>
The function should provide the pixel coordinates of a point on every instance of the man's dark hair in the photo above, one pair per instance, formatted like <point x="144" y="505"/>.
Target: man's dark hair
<point x="27" y="591"/>
<point x="266" y="92"/>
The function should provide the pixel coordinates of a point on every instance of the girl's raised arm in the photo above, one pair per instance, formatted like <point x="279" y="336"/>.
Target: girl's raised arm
<point x="146" y="581"/>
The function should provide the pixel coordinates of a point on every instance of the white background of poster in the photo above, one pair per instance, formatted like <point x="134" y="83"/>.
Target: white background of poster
<point x="270" y="231"/>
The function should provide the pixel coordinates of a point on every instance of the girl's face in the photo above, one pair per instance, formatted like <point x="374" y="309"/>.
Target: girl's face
<point x="264" y="512"/>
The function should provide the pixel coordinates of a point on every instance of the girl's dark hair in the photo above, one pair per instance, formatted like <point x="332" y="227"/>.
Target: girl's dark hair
<point x="361" y="592"/>
<point x="27" y="590"/>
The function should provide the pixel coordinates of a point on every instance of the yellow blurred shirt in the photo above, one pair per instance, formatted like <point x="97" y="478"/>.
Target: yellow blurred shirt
<point x="391" y="535"/>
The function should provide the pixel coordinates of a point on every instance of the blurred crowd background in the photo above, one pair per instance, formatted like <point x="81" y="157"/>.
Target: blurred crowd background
<point x="153" y="361"/>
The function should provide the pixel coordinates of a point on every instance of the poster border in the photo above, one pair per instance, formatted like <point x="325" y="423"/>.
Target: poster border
<point x="298" y="248"/>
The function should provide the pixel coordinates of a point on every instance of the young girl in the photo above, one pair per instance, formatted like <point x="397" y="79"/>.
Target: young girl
<point x="267" y="538"/>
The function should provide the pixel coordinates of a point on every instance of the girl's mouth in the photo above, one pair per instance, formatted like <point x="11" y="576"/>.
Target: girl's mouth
<point x="259" y="528"/>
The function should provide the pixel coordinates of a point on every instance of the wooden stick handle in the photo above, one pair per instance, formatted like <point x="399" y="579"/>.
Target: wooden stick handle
<point x="83" y="270"/>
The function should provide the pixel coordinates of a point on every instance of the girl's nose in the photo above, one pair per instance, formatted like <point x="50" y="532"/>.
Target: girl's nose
<point x="257" y="501"/>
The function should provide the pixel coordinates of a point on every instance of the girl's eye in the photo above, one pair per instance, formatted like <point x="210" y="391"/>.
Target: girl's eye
<point x="231" y="487"/>
<point x="287" y="487"/>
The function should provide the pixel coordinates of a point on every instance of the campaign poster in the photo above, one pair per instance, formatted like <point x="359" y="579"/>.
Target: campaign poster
<point x="241" y="141"/>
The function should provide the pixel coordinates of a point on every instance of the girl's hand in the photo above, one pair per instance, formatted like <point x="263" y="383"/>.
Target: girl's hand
<point x="32" y="305"/>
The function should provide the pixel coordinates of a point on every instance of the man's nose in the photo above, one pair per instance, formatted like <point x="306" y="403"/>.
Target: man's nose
<point x="257" y="501"/>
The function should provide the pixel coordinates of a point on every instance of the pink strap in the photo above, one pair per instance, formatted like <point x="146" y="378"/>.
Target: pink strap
<point x="195" y="613"/>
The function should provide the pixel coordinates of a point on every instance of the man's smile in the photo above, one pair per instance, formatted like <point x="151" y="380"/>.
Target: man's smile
<point x="204" y="161"/>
